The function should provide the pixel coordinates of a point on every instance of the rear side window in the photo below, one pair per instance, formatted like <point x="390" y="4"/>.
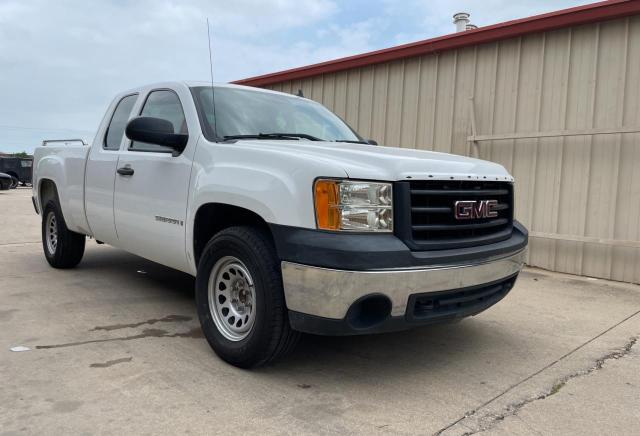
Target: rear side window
<point x="163" y="104"/>
<point x="118" y="123"/>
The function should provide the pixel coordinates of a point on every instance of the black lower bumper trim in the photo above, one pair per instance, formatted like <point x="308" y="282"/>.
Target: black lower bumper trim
<point x="318" y="325"/>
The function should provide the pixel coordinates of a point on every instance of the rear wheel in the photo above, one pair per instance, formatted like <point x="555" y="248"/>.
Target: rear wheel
<point x="14" y="182"/>
<point x="62" y="247"/>
<point x="240" y="298"/>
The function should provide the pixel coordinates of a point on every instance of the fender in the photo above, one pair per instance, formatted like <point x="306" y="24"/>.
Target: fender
<point x="221" y="187"/>
<point x="275" y="186"/>
<point x="67" y="174"/>
<point x="50" y="169"/>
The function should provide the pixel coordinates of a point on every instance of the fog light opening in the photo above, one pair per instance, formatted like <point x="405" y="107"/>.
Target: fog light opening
<point x="369" y="311"/>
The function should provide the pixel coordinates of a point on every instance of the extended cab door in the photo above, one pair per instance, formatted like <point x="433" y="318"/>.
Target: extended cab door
<point x="101" y="171"/>
<point x="151" y="188"/>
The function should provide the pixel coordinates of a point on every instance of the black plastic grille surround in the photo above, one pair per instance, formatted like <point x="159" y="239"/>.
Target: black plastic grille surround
<point x="425" y="219"/>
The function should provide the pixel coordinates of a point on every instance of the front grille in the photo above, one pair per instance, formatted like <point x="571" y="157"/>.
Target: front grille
<point x="427" y="221"/>
<point x="458" y="302"/>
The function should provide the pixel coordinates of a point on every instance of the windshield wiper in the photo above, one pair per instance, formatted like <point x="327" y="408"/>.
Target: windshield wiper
<point x="275" y="136"/>
<point x="292" y="135"/>
<point x="351" y="141"/>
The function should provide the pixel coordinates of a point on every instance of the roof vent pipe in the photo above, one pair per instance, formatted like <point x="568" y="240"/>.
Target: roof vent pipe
<point x="471" y="27"/>
<point x="461" y="19"/>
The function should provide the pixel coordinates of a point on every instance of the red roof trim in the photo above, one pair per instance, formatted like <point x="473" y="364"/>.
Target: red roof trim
<point x="606" y="10"/>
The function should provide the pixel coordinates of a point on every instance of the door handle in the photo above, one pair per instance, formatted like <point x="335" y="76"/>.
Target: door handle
<point x="125" y="171"/>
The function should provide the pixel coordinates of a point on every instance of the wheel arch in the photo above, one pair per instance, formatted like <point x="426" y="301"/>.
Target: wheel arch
<point x="210" y="218"/>
<point x="47" y="190"/>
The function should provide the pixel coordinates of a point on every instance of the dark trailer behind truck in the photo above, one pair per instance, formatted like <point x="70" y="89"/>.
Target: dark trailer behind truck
<point x="20" y="168"/>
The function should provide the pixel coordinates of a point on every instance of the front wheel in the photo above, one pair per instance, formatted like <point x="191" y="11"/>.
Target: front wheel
<point x="62" y="247"/>
<point x="240" y="298"/>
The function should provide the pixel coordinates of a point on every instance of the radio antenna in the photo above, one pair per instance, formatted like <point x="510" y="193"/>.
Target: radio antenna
<point x="213" y="101"/>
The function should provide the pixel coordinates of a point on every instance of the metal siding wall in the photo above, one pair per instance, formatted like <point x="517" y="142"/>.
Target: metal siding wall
<point x="605" y="150"/>
<point x="410" y="101"/>
<point x="546" y="198"/>
<point x="394" y="104"/>
<point x="528" y="116"/>
<point x="427" y="102"/>
<point x="626" y="264"/>
<point x="340" y="95"/>
<point x="465" y="89"/>
<point x="575" y="78"/>
<point x="576" y="158"/>
<point x="365" y="108"/>
<point x="445" y="94"/>
<point x="379" y="109"/>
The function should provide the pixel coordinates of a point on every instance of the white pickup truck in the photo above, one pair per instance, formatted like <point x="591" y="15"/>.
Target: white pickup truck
<point x="288" y="219"/>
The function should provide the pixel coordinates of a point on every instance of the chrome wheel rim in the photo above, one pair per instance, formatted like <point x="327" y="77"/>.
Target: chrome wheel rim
<point x="51" y="233"/>
<point x="232" y="298"/>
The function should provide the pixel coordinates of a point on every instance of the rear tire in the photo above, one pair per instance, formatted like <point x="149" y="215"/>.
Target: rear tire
<point x="62" y="247"/>
<point x="240" y="298"/>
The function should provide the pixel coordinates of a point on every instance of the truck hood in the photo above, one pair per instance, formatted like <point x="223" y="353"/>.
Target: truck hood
<point x="363" y="161"/>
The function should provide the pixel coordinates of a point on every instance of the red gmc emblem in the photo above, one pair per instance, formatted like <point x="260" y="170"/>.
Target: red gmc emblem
<point x="469" y="210"/>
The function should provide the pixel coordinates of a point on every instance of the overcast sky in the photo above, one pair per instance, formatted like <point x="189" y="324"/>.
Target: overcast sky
<point x="62" y="61"/>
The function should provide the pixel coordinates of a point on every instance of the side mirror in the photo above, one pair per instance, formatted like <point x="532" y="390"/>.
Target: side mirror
<point x="372" y="142"/>
<point x="156" y="131"/>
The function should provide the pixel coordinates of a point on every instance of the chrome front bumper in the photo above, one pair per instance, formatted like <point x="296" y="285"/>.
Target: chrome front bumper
<point x="329" y="293"/>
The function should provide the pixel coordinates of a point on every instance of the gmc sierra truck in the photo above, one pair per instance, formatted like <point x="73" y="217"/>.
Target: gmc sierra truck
<point x="289" y="220"/>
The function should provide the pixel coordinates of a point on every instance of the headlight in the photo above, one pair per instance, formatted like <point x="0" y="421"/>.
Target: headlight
<point x="354" y="205"/>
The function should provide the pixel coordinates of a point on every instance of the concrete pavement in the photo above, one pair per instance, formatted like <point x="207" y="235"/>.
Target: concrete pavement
<point x="116" y="349"/>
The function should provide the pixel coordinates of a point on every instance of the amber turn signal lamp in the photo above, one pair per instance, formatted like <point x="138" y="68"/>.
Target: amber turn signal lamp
<point x="327" y="204"/>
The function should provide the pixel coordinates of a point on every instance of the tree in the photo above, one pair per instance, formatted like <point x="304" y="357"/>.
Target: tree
<point x="21" y="154"/>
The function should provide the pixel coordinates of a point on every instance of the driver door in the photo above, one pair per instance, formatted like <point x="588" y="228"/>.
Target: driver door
<point x="151" y="189"/>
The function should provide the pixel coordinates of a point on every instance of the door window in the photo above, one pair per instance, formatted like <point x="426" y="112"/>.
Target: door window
<point x="163" y="104"/>
<point x="118" y="123"/>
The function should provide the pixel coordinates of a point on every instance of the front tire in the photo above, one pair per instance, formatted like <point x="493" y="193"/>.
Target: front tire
<point x="62" y="247"/>
<point x="240" y="298"/>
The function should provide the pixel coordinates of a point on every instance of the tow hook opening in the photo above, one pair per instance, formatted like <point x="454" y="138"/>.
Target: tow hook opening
<point x="369" y="311"/>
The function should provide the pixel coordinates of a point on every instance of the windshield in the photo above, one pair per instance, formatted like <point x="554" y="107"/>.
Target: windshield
<point x="240" y="112"/>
